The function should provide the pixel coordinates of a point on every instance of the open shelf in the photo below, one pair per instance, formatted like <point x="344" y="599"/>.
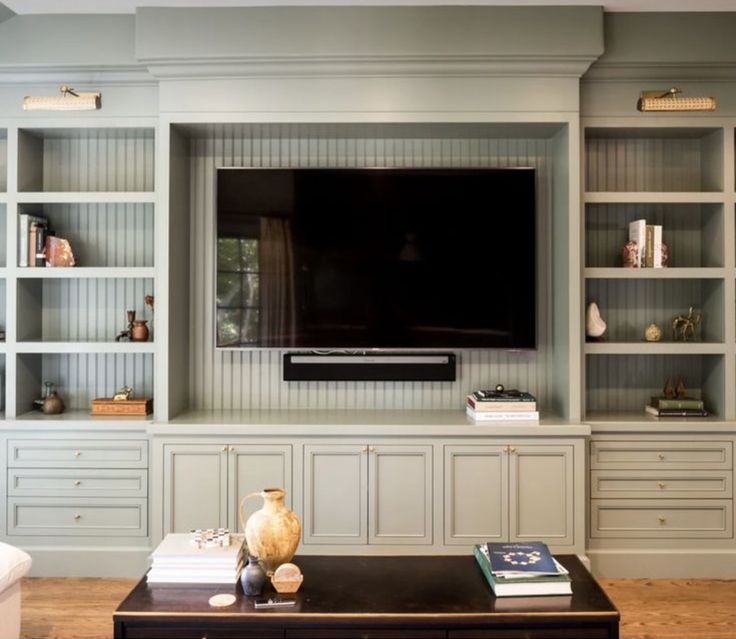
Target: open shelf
<point x="77" y="417"/>
<point x="101" y="234"/>
<point x="654" y="348"/>
<point x="629" y="306"/>
<point x="3" y="160"/>
<point x="86" y="159"/>
<point x="634" y="159"/>
<point x="622" y="384"/>
<point x="620" y="273"/>
<point x="693" y="233"/>
<point x="81" y="377"/>
<point x="79" y="310"/>
<point x="85" y="347"/>
<point x="79" y="272"/>
<point x="652" y="197"/>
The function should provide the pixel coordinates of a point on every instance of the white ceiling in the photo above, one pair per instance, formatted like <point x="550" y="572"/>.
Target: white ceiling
<point x="129" y="6"/>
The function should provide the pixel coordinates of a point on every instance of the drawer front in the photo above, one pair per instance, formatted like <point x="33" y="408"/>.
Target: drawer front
<point x="663" y="519"/>
<point x="69" y="453"/>
<point x="655" y="484"/>
<point x="660" y="455"/>
<point x="87" y="482"/>
<point x="75" y="517"/>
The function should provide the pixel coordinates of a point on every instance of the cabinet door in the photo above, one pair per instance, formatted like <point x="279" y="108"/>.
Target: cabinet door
<point x="541" y="494"/>
<point x="195" y="487"/>
<point x="476" y="494"/>
<point x="251" y="469"/>
<point x="400" y="494"/>
<point x="335" y="490"/>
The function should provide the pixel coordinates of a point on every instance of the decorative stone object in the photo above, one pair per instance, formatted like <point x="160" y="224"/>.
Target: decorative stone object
<point x="271" y="533"/>
<point x="287" y="578"/>
<point x="630" y="255"/>
<point x="595" y="327"/>
<point x="653" y="333"/>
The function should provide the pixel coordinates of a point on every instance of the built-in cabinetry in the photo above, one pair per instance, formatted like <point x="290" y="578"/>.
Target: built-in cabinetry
<point x="398" y="489"/>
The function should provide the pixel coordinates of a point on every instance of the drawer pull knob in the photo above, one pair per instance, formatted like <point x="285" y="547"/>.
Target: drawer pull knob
<point x="365" y="449"/>
<point x="224" y="449"/>
<point x="372" y="449"/>
<point x="232" y="449"/>
<point x="512" y="449"/>
<point x="661" y="484"/>
<point x="505" y="449"/>
<point x="77" y="453"/>
<point x="77" y="482"/>
<point x="662" y="519"/>
<point x="77" y="517"/>
<point x="660" y="456"/>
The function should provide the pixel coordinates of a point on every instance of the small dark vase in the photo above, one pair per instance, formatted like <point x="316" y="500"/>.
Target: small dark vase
<point x="253" y="577"/>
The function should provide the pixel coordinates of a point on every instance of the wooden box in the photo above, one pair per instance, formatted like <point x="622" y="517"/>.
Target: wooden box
<point x="107" y="406"/>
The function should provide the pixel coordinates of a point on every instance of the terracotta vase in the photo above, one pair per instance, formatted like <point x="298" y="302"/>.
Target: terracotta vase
<point x="271" y="533"/>
<point x="139" y="331"/>
<point x="52" y="404"/>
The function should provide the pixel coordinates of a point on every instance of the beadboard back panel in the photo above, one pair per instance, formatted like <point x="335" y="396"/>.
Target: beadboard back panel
<point x="79" y="310"/>
<point x="81" y="377"/>
<point x="102" y="234"/>
<point x="3" y="160"/>
<point x="653" y="159"/>
<point x="693" y="233"/>
<point x="3" y="236"/>
<point x="86" y="159"/>
<point x="244" y="379"/>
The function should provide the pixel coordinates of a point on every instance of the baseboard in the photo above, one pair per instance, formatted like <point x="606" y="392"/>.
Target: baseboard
<point x="88" y="562"/>
<point x="663" y="564"/>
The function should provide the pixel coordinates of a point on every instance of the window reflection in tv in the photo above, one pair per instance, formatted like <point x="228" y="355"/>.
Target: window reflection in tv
<point x="376" y="258"/>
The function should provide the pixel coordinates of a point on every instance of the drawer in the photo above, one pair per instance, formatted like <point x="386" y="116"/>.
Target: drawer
<point x="80" y="516"/>
<point x="87" y="482"/>
<point x="70" y="453"/>
<point x="660" y="455"/>
<point x="655" y="484"/>
<point x="661" y="519"/>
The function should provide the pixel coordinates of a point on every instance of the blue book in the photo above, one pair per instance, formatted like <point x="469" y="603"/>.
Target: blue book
<point x="531" y="559"/>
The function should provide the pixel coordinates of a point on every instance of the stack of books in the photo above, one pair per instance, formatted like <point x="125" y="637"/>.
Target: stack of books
<point x="676" y="407"/>
<point x="648" y="238"/>
<point x="522" y="570"/>
<point x="502" y="406"/>
<point x="32" y="233"/>
<point x="181" y="559"/>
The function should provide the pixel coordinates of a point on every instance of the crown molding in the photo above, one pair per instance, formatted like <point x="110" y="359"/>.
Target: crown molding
<point x="78" y="74"/>
<point x="661" y="72"/>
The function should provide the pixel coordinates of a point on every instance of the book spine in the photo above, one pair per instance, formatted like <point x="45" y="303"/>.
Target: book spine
<point x="485" y="567"/>
<point x="505" y="416"/>
<point x="649" y="247"/>
<point x="657" y="247"/>
<point x="675" y="412"/>
<point x="637" y="233"/>
<point x="31" y="245"/>
<point x="39" y="252"/>
<point x="501" y="406"/>
<point x="23" y="239"/>
<point x="680" y="404"/>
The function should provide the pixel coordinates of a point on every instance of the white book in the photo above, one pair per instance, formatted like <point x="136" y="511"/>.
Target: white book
<point x="526" y="416"/>
<point x="24" y="226"/>
<point x="176" y="548"/>
<point x="190" y="579"/>
<point x="638" y="234"/>
<point x="657" y="261"/>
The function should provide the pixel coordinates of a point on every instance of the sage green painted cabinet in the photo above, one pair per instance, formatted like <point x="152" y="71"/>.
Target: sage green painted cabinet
<point x="512" y="492"/>
<point x="368" y="494"/>
<point x="205" y="483"/>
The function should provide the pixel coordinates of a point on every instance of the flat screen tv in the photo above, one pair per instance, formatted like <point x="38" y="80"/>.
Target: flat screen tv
<point x="329" y="259"/>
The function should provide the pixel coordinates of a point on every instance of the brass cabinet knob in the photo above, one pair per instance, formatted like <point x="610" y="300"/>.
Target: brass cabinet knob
<point x="232" y="449"/>
<point x="77" y="517"/>
<point x="372" y="449"/>
<point x="365" y="449"/>
<point x="660" y="456"/>
<point x="661" y="484"/>
<point x="512" y="449"/>
<point x="77" y="453"/>
<point x="662" y="519"/>
<point x="224" y="449"/>
<point x="505" y="449"/>
<point x="77" y="482"/>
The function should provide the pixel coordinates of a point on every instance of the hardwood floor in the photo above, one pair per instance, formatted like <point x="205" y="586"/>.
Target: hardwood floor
<point x="650" y="609"/>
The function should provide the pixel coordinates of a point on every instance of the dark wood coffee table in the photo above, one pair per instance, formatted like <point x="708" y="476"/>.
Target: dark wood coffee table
<point x="375" y="597"/>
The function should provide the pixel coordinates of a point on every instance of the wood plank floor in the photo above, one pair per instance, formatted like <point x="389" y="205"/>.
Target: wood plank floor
<point x="650" y="609"/>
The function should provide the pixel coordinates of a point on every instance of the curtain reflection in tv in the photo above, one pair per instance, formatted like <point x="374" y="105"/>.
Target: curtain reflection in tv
<point x="276" y="270"/>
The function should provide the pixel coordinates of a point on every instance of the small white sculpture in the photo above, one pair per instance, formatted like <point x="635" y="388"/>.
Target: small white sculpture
<point x="594" y="324"/>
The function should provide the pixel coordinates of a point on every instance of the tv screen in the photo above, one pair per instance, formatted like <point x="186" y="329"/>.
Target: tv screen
<point x="376" y="258"/>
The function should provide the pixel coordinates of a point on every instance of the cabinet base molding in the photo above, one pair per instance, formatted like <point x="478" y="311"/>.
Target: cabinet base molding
<point x="112" y="561"/>
<point x="675" y="563"/>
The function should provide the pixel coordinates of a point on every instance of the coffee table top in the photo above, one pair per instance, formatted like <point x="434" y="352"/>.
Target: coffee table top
<point x="420" y="588"/>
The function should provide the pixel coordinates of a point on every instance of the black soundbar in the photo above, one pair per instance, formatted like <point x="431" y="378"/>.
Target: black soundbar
<point x="369" y="367"/>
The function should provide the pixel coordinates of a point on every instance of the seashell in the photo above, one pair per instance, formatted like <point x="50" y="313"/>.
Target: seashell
<point x="594" y="324"/>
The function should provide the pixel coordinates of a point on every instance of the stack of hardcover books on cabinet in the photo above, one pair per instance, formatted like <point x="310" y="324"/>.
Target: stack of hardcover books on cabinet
<point x="180" y="559"/>
<point x="676" y="407"/>
<point x="522" y="570"/>
<point x="502" y="406"/>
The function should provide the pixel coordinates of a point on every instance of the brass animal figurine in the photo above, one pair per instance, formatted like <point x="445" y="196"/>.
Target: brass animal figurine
<point x="123" y="394"/>
<point x="685" y="326"/>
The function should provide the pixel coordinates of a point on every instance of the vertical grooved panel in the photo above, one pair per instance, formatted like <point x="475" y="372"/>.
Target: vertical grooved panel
<point x="222" y="379"/>
<point x="3" y="160"/>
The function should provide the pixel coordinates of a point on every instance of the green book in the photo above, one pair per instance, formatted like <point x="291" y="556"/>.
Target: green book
<point x="679" y="403"/>
<point x="522" y="586"/>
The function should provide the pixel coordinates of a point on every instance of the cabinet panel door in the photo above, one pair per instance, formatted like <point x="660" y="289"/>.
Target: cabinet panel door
<point x="541" y="494"/>
<point x="400" y="495"/>
<point x="253" y="468"/>
<point x="476" y="494"/>
<point x="195" y="487"/>
<point x="335" y="489"/>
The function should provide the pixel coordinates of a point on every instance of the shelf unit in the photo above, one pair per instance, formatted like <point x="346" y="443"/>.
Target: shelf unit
<point x="96" y="187"/>
<point x="677" y="173"/>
